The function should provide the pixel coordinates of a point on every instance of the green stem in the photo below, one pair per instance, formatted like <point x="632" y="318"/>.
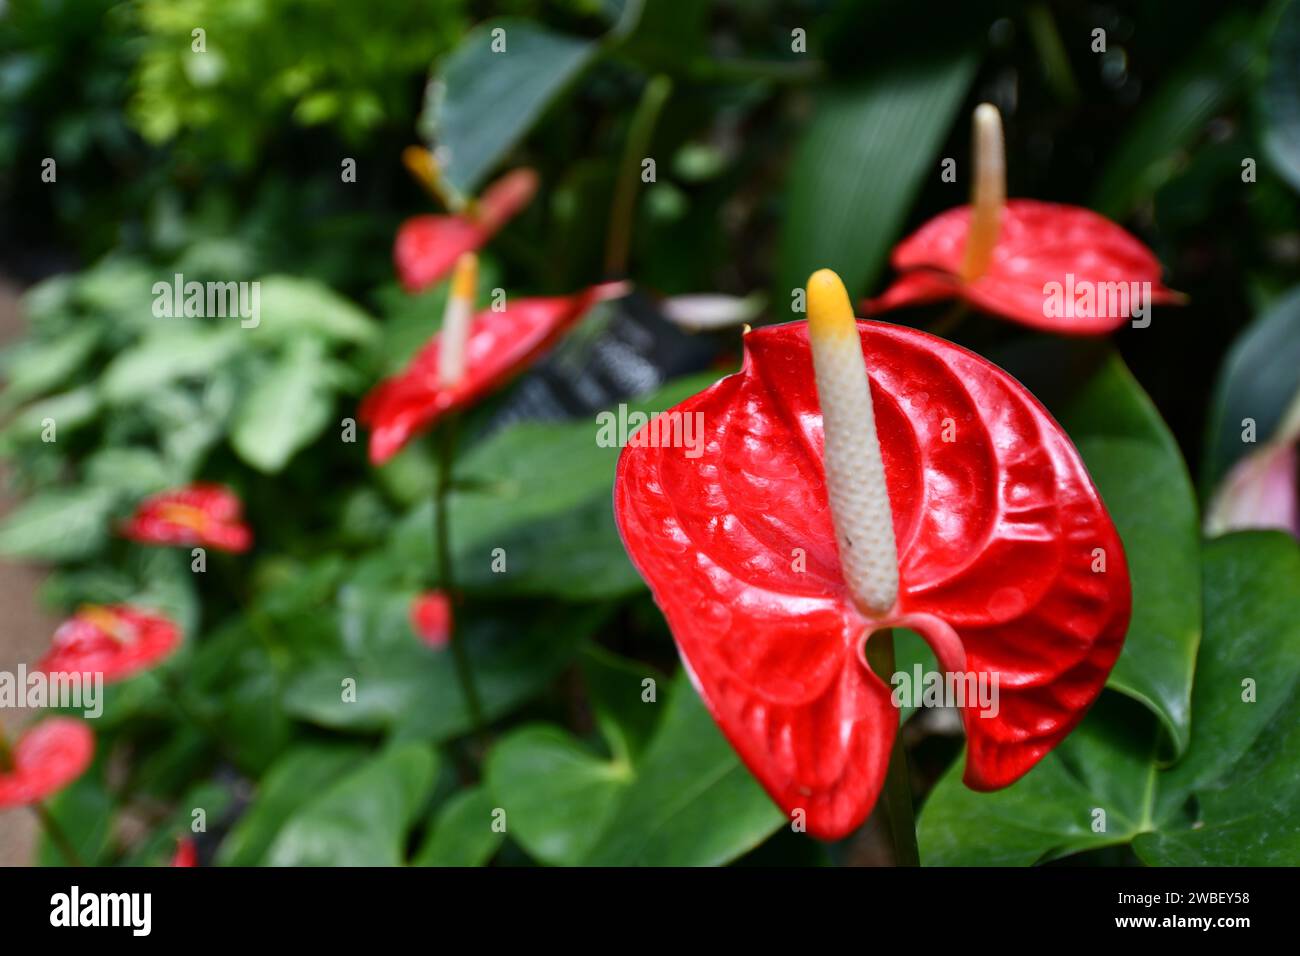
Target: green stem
<point x="619" y="240"/>
<point x="896" y="798"/>
<point x="57" y="835"/>
<point x="446" y="439"/>
<point x="948" y="322"/>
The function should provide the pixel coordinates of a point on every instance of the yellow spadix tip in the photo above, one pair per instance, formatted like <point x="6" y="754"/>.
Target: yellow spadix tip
<point x="830" y="314"/>
<point x="465" y="278"/>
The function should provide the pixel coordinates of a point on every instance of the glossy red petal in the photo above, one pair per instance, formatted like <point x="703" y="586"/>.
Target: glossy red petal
<point x="500" y="345"/>
<point x="1039" y="243"/>
<point x="996" y="523"/>
<point x="201" y="514"/>
<point x="431" y="618"/>
<point x="427" y="247"/>
<point x="48" y="757"/>
<point x="116" y="641"/>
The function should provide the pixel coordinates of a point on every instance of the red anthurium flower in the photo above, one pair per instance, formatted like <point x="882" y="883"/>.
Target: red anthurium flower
<point x="48" y="757"/>
<point x="115" y="641"/>
<point x="427" y="247"/>
<point x="940" y="497"/>
<point x="187" y="854"/>
<point x="1050" y="266"/>
<point x="469" y="358"/>
<point x="198" y="514"/>
<point x="431" y="618"/>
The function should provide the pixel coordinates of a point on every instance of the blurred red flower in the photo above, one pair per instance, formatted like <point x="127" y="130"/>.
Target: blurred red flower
<point x="428" y="246"/>
<point x="1059" y="268"/>
<point x="197" y="514"/>
<point x="116" y="641"/>
<point x="431" y="618"/>
<point x="499" y="345"/>
<point x="186" y="854"/>
<point x="45" y="760"/>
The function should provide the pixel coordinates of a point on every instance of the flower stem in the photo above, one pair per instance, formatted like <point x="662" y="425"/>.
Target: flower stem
<point x="619" y="240"/>
<point x="896" y="797"/>
<point x="57" y="835"/>
<point x="446" y="440"/>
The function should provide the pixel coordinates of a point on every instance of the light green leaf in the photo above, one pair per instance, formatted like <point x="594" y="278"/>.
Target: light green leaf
<point x="859" y="165"/>
<point x="557" y="793"/>
<point x="291" y="307"/>
<point x="462" y="833"/>
<point x="166" y="355"/>
<point x="484" y="100"/>
<point x="692" y="803"/>
<point x="58" y="525"/>
<point x="1259" y="380"/>
<point x="362" y="820"/>
<point x="295" y="779"/>
<point x="284" y="411"/>
<point x="1140" y="473"/>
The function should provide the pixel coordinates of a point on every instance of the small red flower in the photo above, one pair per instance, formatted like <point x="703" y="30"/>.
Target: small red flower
<point x="198" y="514"/>
<point x="1049" y="266"/>
<point x="1039" y="243"/>
<point x="115" y="641"/>
<point x="186" y="854"/>
<point x="431" y="618"/>
<point x="48" y="757"/>
<point x="498" y="346"/>
<point x="427" y="247"/>
<point x="998" y="533"/>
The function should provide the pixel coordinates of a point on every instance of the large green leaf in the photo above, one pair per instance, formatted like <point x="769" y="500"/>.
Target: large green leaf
<point x="1260" y="378"/>
<point x="692" y="802"/>
<point x="483" y="100"/>
<point x="297" y="778"/>
<point x="292" y="307"/>
<point x="1150" y="151"/>
<point x="541" y="492"/>
<point x="58" y="525"/>
<point x="364" y="819"/>
<point x="175" y="351"/>
<point x="36" y="367"/>
<point x="413" y="690"/>
<point x="463" y="832"/>
<point x="1129" y="452"/>
<point x="1233" y="797"/>
<point x="557" y="793"/>
<point x="860" y="163"/>
<point x="284" y="410"/>
<point x="1282" y="96"/>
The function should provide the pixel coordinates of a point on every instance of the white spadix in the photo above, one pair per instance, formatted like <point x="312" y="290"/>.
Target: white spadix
<point x="988" y="192"/>
<point x="456" y="319"/>
<point x="855" y="471"/>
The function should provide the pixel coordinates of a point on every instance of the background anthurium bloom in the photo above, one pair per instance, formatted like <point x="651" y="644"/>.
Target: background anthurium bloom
<point x="198" y="514"/>
<point x="116" y="641"/>
<point x="186" y="855"/>
<point x="1038" y="243"/>
<point x="998" y="532"/>
<point x="428" y="246"/>
<point x="431" y="618"/>
<point x="500" y="344"/>
<point x="48" y="757"/>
